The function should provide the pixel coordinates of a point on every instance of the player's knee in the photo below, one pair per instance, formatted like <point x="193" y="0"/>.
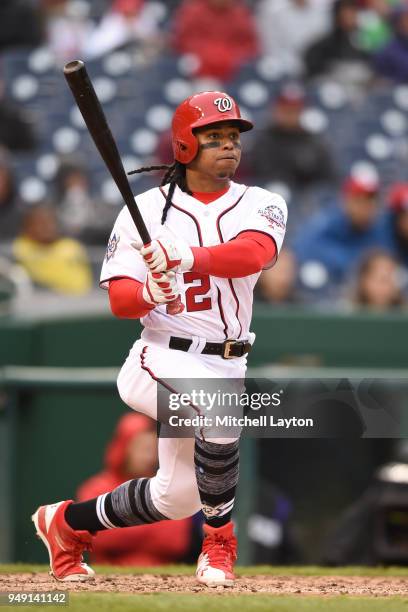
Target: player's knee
<point x="179" y="511"/>
<point x="122" y="388"/>
<point x="180" y="505"/>
<point x="176" y="503"/>
<point x="125" y="383"/>
<point x="176" y="514"/>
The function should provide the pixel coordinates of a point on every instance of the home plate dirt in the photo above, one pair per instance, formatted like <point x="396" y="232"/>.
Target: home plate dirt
<point x="275" y="585"/>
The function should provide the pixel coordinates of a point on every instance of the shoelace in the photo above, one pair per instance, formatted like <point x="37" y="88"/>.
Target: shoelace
<point x="220" y="551"/>
<point x="79" y="547"/>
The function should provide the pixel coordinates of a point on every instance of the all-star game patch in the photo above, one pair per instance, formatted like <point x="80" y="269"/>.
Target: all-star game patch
<point x="112" y="246"/>
<point x="274" y="215"/>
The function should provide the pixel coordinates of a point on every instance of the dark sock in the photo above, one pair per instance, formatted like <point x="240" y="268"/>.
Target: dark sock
<point x="127" y="505"/>
<point x="217" y="468"/>
<point x="83" y="516"/>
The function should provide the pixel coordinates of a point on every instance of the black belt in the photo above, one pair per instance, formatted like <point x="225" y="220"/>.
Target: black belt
<point x="229" y="349"/>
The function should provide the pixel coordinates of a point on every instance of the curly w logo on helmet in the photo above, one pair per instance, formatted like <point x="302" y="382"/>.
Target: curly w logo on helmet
<point x="223" y="104"/>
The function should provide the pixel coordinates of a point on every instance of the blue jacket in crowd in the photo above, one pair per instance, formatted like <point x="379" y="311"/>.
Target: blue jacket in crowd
<point x="392" y="61"/>
<point x="330" y="239"/>
<point x="392" y="244"/>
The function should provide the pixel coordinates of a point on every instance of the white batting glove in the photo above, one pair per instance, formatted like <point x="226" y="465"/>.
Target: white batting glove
<point x="160" y="288"/>
<point x="166" y="254"/>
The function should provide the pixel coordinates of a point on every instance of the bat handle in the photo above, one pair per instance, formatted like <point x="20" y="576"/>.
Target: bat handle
<point x="175" y="307"/>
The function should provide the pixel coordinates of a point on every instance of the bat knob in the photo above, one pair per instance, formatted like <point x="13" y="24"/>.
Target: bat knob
<point x="175" y="307"/>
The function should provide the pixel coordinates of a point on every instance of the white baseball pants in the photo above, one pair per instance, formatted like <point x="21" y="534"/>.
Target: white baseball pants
<point x="174" y="488"/>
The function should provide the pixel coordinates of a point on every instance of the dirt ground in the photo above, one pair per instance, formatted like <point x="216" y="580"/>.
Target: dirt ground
<point x="276" y="585"/>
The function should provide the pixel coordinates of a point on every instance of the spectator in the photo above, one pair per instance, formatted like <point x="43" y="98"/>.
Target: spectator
<point x="16" y="130"/>
<point x="20" y="24"/>
<point x="295" y="25"/>
<point x="378" y="284"/>
<point x="75" y="205"/>
<point x="336" y="238"/>
<point x="67" y="28"/>
<point x="278" y="284"/>
<point x="285" y="151"/>
<point x="127" y="23"/>
<point x="392" y="61"/>
<point x="374" y="27"/>
<point x="395" y="222"/>
<point x="52" y="261"/>
<point x="338" y="52"/>
<point x="220" y="33"/>
<point x="9" y="205"/>
<point x="132" y="453"/>
<point x="80" y="215"/>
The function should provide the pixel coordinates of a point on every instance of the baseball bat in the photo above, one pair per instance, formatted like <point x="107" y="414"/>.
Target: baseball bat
<point x="91" y="109"/>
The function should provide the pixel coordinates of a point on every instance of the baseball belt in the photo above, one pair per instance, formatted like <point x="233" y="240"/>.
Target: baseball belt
<point x="230" y="349"/>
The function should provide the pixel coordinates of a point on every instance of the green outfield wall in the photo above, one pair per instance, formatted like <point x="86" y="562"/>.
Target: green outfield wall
<point x="52" y="436"/>
<point x="285" y="336"/>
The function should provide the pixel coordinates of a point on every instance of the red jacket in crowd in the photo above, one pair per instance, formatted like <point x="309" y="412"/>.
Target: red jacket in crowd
<point x="221" y="34"/>
<point x="154" y="544"/>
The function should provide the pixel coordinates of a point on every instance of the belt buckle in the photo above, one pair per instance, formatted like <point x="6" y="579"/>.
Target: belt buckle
<point x="227" y="349"/>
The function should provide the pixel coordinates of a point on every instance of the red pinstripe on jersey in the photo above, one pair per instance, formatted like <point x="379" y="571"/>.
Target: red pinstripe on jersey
<point x="231" y="285"/>
<point x="200" y="238"/>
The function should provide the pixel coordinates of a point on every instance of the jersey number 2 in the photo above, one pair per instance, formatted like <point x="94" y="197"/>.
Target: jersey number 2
<point x="196" y="291"/>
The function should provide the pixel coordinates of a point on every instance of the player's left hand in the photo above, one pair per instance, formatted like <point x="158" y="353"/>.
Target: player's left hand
<point x="166" y="254"/>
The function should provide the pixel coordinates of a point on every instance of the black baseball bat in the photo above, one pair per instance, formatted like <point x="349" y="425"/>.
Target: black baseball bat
<point x="91" y="109"/>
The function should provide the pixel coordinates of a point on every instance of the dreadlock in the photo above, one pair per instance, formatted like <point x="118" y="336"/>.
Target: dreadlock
<point x="175" y="175"/>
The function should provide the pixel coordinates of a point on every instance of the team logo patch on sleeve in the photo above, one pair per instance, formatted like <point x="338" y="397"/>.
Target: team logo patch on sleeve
<point x="274" y="215"/>
<point x="112" y="246"/>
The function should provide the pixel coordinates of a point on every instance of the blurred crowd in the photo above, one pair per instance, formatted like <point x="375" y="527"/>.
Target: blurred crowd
<point x="347" y="242"/>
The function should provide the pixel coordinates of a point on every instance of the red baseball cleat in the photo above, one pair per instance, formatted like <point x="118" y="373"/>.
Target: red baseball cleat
<point x="215" y="566"/>
<point x="65" y="545"/>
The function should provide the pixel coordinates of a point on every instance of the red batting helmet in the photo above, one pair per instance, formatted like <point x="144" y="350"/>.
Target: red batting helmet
<point x="197" y="111"/>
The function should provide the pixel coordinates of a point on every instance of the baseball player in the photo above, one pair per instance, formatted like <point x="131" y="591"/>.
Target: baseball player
<point x="211" y="237"/>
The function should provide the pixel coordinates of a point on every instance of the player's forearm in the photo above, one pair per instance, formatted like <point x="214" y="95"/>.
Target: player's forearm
<point x="235" y="259"/>
<point x="126" y="299"/>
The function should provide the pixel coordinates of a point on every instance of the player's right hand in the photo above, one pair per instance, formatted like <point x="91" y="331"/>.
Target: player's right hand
<point x="160" y="288"/>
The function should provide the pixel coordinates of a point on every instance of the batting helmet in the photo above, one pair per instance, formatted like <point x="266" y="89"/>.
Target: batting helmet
<point x="197" y="111"/>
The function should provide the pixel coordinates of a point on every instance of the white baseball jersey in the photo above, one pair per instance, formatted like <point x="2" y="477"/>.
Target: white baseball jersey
<point x="215" y="308"/>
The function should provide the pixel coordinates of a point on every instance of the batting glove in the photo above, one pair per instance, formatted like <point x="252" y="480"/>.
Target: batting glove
<point x="160" y="288"/>
<point x="167" y="254"/>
